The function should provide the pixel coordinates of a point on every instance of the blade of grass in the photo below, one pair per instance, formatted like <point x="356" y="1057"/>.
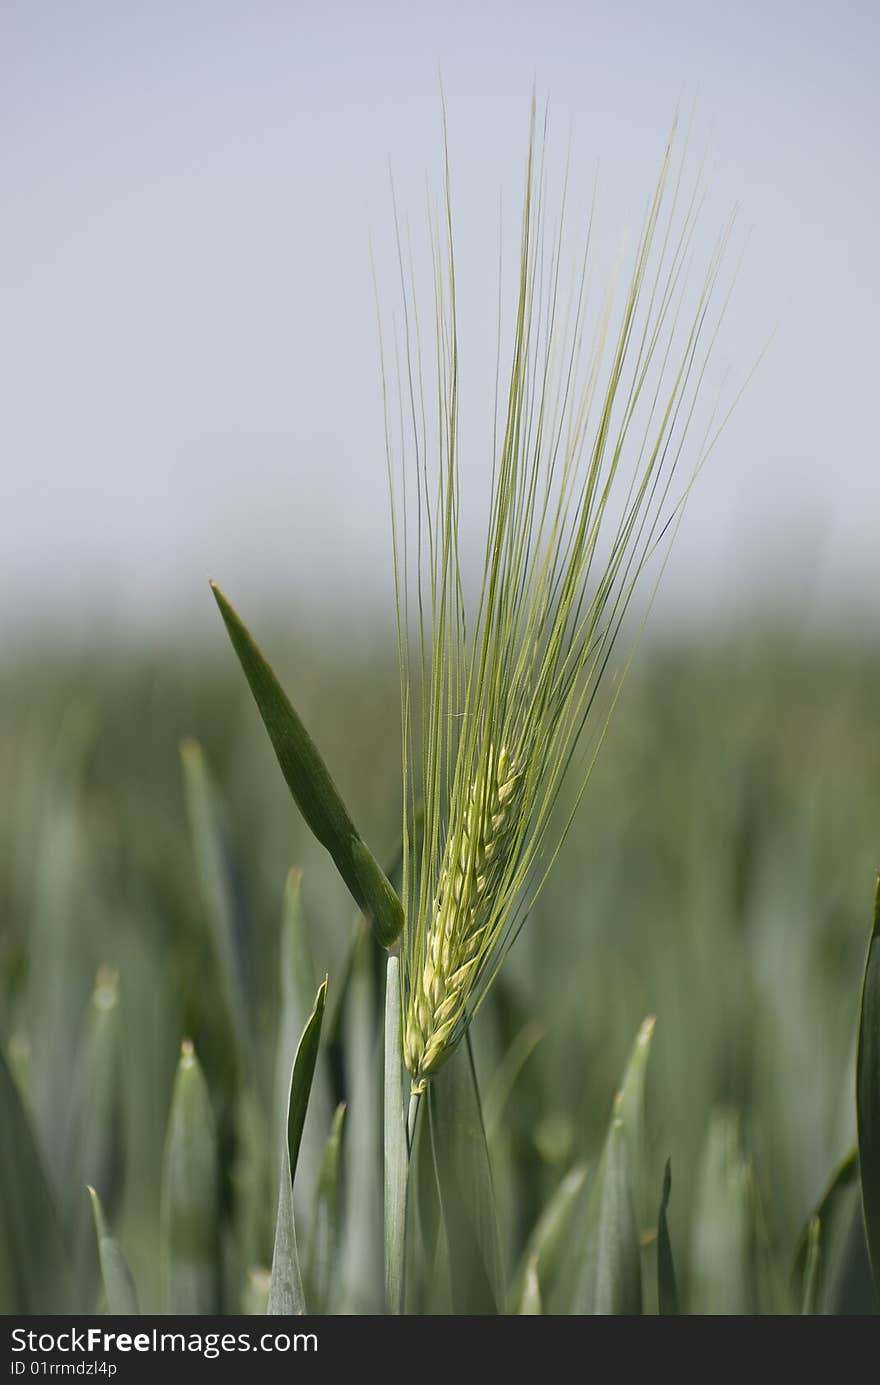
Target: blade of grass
<point x="611" y="1273"/>
<point x="119" y="1286"/>
<point x="286" y="1294"/>
<point x="396" y="1157"/>
<point x="190" y="1196"/>
<point x="868" y="1096"/>
<point x="298" y="979"/>
<point x="631" y="1111"/>
<point x="667" y="1286"/>
<point x="603" y="1272"/>
<point x="843" y="1276"/>
<point x="311" y="785"/>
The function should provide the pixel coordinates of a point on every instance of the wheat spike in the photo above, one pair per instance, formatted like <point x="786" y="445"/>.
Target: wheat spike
<point x="474" y="861"/>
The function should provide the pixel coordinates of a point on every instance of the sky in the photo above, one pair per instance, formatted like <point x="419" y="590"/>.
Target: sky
<point x="189" y="384"/>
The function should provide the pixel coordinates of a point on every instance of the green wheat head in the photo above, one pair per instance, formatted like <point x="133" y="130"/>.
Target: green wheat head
<point x="499" y="700"/>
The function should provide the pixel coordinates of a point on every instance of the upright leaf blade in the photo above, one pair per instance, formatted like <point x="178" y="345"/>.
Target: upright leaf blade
<point x="190" y="1197"/>
<point x="630" y="1109"/>
<point x="119" y="1286"/>
<point x="868" y="1096"/>
<point x="298" y="979"/>
<point x="842" y="1282"/>
<point x="611" y="1273"/>
<point x="667" y="1285"/>
<point x="311" y="785"/>
<point x="396" y="1157"/>
<point x="602" y="1270"/>
<point x="286" y="1289"/>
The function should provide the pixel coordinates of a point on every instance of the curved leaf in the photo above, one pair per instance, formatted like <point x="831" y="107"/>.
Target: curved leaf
<point x="611" y="1271"/>
<point x="842" y="1274"/>
<point x="286" y="1290"/>
<point x="667" y="1287"/>
<point x="311" y="785"/>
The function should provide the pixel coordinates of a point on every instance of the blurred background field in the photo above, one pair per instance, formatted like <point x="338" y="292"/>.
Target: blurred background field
<point x="719" y="876"/>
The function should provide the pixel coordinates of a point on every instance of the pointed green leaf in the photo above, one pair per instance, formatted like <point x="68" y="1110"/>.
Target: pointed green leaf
<point x="667" y="1287"/>
<point x="297" y="983"/>
<point x="467" y="1197"/>
<point x="286" y="1290"/>
<point x="843" y="1283"/>
<point x="311" y="785"/>
<point x="630" y="1109"/>
<point x="396" y="1157"/>
<point x="324" y="1245"/>
<point x="303" y="1075"/>
<point x="601" y="1264"/>
<point x="34" y="1268"/>
<point x="219" y="884"/>
<point x="868" y="1095"/>
<point x="190" y="1196"/>
<point x="610" y="1279"/>
<point x="119" y="1287"/>
<point x="826" y="1212"/>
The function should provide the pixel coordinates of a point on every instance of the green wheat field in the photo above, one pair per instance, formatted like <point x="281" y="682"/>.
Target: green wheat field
<point x="719" y="877"/>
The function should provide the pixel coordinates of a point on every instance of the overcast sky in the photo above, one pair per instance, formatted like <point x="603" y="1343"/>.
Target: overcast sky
<point x="189" y="380"/>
